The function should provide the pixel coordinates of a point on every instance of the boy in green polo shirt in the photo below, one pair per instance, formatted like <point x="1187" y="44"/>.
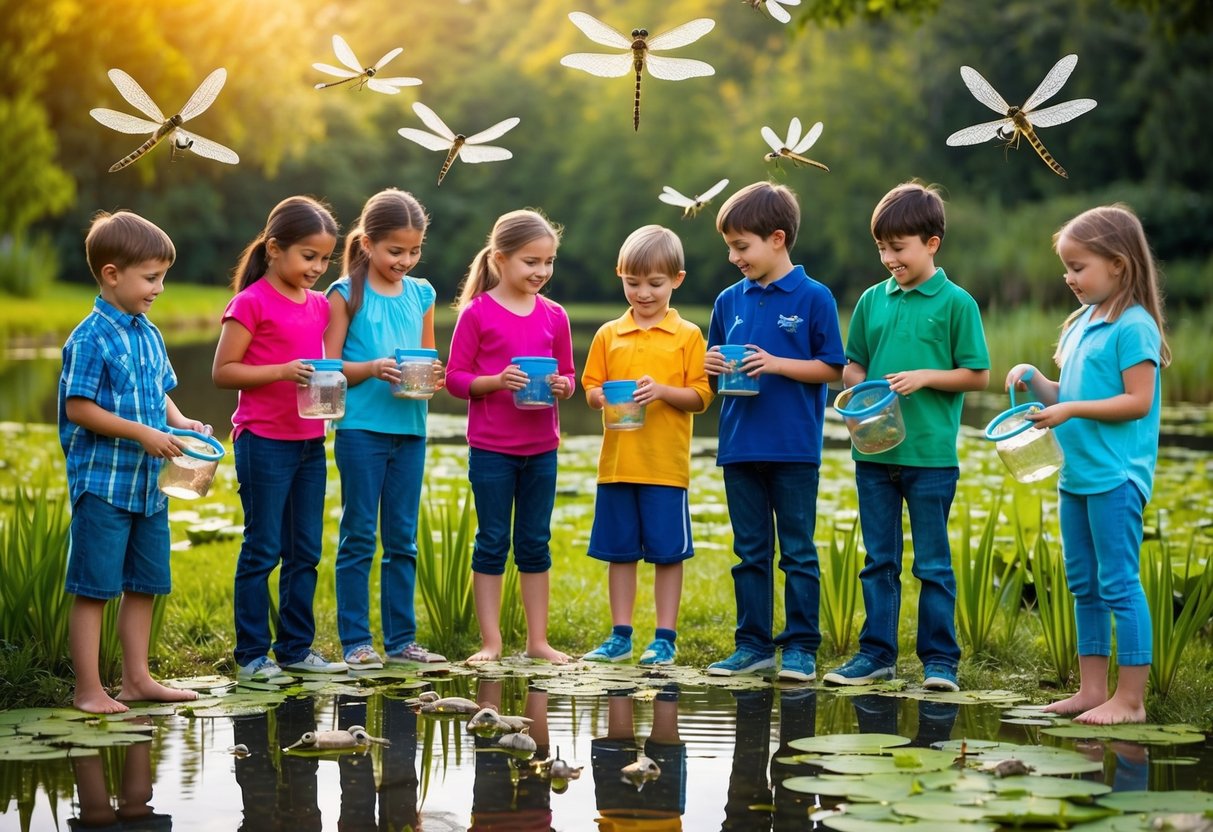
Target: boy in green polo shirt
<point x="922" y="333"/>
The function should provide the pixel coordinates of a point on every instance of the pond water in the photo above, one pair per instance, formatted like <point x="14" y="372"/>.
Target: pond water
<point x="723" y="753"/>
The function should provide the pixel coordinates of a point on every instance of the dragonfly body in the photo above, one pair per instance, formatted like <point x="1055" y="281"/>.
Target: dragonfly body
<point x="1023" y="120"/>
<point x="163" y="127"/>
<point x="470" y="149"/>
<point x="639" y="55"/>
<point x="794" y="146"/>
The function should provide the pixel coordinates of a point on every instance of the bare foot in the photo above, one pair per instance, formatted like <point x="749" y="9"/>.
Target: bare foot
<point x="547" y="652"/>
<point x="152" y="691"/>
<point x="1112" y="712"/>
<point x="1076" y="704"/>
<point x="98" y="703"/>
<point x="484" y="654"/>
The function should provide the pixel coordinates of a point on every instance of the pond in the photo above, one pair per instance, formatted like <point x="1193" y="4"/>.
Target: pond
<point x="731" y="755"/>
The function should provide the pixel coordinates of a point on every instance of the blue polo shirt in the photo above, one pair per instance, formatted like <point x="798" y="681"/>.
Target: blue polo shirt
<point x="1094" y="355"/>
<point x="118" y="361"/>
<point x="793" y="317"/>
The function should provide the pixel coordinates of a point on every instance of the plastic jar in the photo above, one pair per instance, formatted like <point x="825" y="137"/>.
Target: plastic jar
<point x="733" y="381"/>
<point x="189" y="476"/>
<point x="1031" y="453"/>
<point x="620" y="411"/>
<point x="872" y="413"/>
<point x="416" y="368"/>
<point x="323" y="397"/>
<point x="538" y="390"/>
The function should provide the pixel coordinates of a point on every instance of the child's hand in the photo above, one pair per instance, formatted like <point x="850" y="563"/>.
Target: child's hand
<point x="512" y="378"/>
<point x="386" y="369"/>
<point x="714" y="363"/>
<point x="648" y="391"/>
<point x="907" y="381"/>
<point x="157" y="443"/>
<point x="297" y="371"/>
<point x="562" y="388"/>
<point x="758" y="362"/>
<point x="1019" y="376"/>
<point x="1051" y="416"/>
<point x="439" y="375"/>
<point x="596" y="398"/>
<point x="198" y="427"/>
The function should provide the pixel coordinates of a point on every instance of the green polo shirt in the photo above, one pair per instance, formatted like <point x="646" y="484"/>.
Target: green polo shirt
<point x="934" y="326"/>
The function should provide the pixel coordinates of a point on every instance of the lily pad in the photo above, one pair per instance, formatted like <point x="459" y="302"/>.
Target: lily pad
<point x="848" y="743"/>
<point x="38" y="751"/>
<point x="934" y="809"/>
<point x="1041" y="810"/>
<point x="200" y="683"/>
<point x="1176" y="801"/>
<point x="1147" y="734"/>
<point x="920" y="759"/>
<point x="1050" y="786"/>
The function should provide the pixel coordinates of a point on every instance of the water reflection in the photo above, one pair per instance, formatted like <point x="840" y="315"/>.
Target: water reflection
<point x="279" y="790"/>
<point x="130" y="807"/>
<point x="655" y="805"/>
<point x="506" y="794"/>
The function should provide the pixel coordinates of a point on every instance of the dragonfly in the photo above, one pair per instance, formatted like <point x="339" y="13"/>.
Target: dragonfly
<point x="794" y="146"/>
<point x="468" y="148"/>
<point x="775" y="8"/>
<point x="161" y="127"/>
<point x="1022" y="121"/>
<point x="365" y="76"/>
<point x="690" y="205"/>
<point x="639" y="55"/>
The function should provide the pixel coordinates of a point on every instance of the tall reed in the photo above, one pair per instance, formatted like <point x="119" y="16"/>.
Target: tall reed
<point x="444" y="569"/>
<point x="1173" y="633"/>
<point x="34" y="605"/>
<point x="1054" y="602"/>
<point x="985" y="580"/>
<point x="840" y="589"/>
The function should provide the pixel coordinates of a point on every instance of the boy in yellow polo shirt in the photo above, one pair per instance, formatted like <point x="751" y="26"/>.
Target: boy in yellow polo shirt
<point x="641" y="510"/>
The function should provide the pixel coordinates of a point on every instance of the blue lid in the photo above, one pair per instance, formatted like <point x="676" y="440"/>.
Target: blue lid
<point x="416" y="352"/>
<point x="324" y="364"/>
<point x="534" y="359"/>
<point x="735" y="350"/>
<point x="216" y="452"/>
<point x="618" y="385"/>
<point x="877" y="386"/>
<point x="1013" y="422"/>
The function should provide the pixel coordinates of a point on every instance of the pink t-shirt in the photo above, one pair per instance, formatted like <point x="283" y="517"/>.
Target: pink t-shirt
<point x="487" y="336"/>
<point x="283" y="330"/>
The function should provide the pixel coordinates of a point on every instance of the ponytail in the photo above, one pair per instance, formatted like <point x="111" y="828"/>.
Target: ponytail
<point x="387" y="211"/>
<point x="292" y="219"/>
<point x="510" y="233"/>
<point x="480" y="278"/>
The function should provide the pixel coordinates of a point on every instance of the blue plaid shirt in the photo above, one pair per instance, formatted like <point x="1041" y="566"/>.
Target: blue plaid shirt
<point x="118" y="361"/>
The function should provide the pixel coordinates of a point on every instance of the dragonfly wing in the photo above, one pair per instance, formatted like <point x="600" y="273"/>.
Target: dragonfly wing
<point x="206" y="93"/>
<point x="978" y="133"/>
<point x="336" y="70"/>
<point x="382" y="86"/>
<point x="982" y="90"/>
<point x="712" y="191"/>
<point x="388" y="56"/>
<point x="681" y="35"/>
<point x="771" y="139"/>
<point x="496" y="131"/>
<point x="1052" y="83"/>
<point x="811" y="139"/>
<point x="210" y="149"/>
<point x="122" y="122"/>
<point x="793" y="132"/>
<point x="476" y="154"/>
<point x="427" y="140"/>
<point x="433" y="122"/>
<point x="400" y="81"/>
<point x="599" y="32"/>
<point x="1061" y="113"/>
<point x="676" y="69"/>
<point x="779" y="12"/>
<point x="604" y="66"/>
<point x="671" y="197"/>
<point x="129" y="88"/>
<point x="345" y="54"/>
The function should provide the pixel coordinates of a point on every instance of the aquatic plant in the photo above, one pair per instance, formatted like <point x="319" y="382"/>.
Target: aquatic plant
<point x="985" y="579"/>
<point x="1054" y="601"/>
<point x="840" y="588"/>
<point x="1173" y="632"/>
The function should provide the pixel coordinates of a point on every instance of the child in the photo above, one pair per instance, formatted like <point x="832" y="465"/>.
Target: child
<point x="380" y="444"/>
<point x="511" y="452"/>
<point x="922" y="333"/>
<point x="770" y="444"/>
<point x="113" y="409"/>
<point x="1105" y="407"/>
<point x="641" y="510"/>
<point x="272" y="324"/>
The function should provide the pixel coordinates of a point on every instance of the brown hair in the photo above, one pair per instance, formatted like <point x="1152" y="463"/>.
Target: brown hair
<point x="292" y="219"/>
<point x="511" y="232"/>
<point x="124" y="239"/>
<point x="911" y="208"/>
<point x="383" y="213"/>
<point x="761" y="208"/>
<point x="651" y="249"/>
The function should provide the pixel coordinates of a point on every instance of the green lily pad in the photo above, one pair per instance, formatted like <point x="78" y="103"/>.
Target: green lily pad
<point x="104" y="739"/>
<point x="37" y="751"/>
<point x="199" y="683"/>
<point x="1147" y="734"/>
<point x="1027" y="720"/>
<point x="1050" y="786"/>
<point x="1176" y="801"/>
<point x="819" y="785"/>
<point x="1041" y="810"/>
<point x="846" y="823"/>
<point x="924" y="759"/>
<point x="848" y="743"/>
<point x="934" y="809"/>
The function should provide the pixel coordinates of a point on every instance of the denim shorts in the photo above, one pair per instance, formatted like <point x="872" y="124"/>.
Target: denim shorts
<point x="113" y="551"/>
<point x="637" y="521"/>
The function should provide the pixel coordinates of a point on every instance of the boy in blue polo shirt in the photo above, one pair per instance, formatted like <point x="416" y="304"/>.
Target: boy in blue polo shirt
<point x="922" y="333"/>
<point x="770" y="444"/>
<point x="113" y="409"/>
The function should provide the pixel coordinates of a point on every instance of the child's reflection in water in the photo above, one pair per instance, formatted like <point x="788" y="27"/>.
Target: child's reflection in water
<point x="498" y="804"/>
<point x="132" y="810"/>
<point x="276" y="800"/>
<point x="397" y="792"/>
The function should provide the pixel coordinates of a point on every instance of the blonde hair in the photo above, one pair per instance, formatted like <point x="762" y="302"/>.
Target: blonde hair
<point x="125" y="239"/>
<point x="510" y="233"/>
<point x="651" y="249"/>
<point x="385" y="212"/>
<point x="1114" y="233"/>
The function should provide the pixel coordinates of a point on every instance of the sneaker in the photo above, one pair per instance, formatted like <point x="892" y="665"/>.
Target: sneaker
<point x="742" y="661"/>
<point x="313" y="662"/>
<point x="414" y="652"/>
<point x="363" y="657"/>
<point x="860" y="670"/>
<point x="259" y="670"/>
<point x="615" y="649"/>
<point x="661" y="651"/>
<point x="798" y="666"/>
<point x="939" y="677"/>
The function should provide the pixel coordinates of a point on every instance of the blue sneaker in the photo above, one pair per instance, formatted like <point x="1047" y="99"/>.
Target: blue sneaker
<point x="615" y="649"/>
<point x="742" y="661"/>
<point x="661" y="651"/>
<point x="860" y="670"/>
<point x="798" y="666"/>
<point x="939" y="677"/>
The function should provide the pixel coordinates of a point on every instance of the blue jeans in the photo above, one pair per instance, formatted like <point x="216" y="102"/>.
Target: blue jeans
<point x="928" y="494"/>
<point x="521" y="486"/>
<point x="769" y="501"/>
<point x="282" y="492"/>
<point x="1101" y="535"/>
<point x="380" y="486"/>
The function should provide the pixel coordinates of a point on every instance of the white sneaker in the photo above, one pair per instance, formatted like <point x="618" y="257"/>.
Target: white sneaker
<point x="313" y="662"/>
<point x="259" y="670"/>
<point x="363" y="657"/>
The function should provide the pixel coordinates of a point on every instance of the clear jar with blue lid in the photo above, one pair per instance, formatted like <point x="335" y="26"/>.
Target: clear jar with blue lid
<point x="323" y="397"/>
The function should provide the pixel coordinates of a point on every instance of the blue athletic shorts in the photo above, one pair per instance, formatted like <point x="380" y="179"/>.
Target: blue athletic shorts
<point x="634" y="522"/>
<point x="113" y="550"/>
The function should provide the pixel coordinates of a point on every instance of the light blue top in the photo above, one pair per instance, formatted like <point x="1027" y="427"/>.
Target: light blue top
<point x="382" y="325"/>
<point x="1102" y="455"/>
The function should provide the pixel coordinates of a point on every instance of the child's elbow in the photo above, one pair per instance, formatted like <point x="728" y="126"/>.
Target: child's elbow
<point x="980" y="381"/>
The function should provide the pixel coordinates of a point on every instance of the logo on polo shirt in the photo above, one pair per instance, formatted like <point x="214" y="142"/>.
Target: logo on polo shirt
<point x="790" y="323"/>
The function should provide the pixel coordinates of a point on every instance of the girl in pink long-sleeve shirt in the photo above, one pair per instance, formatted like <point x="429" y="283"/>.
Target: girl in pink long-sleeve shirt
<point x="511" y="451"/>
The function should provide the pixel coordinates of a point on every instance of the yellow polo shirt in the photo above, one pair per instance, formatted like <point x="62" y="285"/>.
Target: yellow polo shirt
<point x="671" y="352"/>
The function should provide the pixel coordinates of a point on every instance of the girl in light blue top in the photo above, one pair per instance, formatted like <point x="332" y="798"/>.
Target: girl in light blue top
<point x="377" y="309"/>
<point x="1105" y="407"/>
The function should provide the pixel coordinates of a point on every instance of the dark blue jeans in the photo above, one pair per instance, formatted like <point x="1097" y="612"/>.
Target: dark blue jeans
<point x="380" y="487"/>
<point x="521" y="487"/>
<point x="769" y="501"/>
<point x="282" y="492"/>
<point x="927" y="493"/>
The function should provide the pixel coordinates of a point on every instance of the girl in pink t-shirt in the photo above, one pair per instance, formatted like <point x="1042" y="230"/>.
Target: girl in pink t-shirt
<point x="270" y="328"/>
<point x="511" y="450"/>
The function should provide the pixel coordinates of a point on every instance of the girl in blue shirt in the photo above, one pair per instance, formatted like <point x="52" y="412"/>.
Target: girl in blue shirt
<point x="377" y="309"/>
<point x="1105" y="407"/>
